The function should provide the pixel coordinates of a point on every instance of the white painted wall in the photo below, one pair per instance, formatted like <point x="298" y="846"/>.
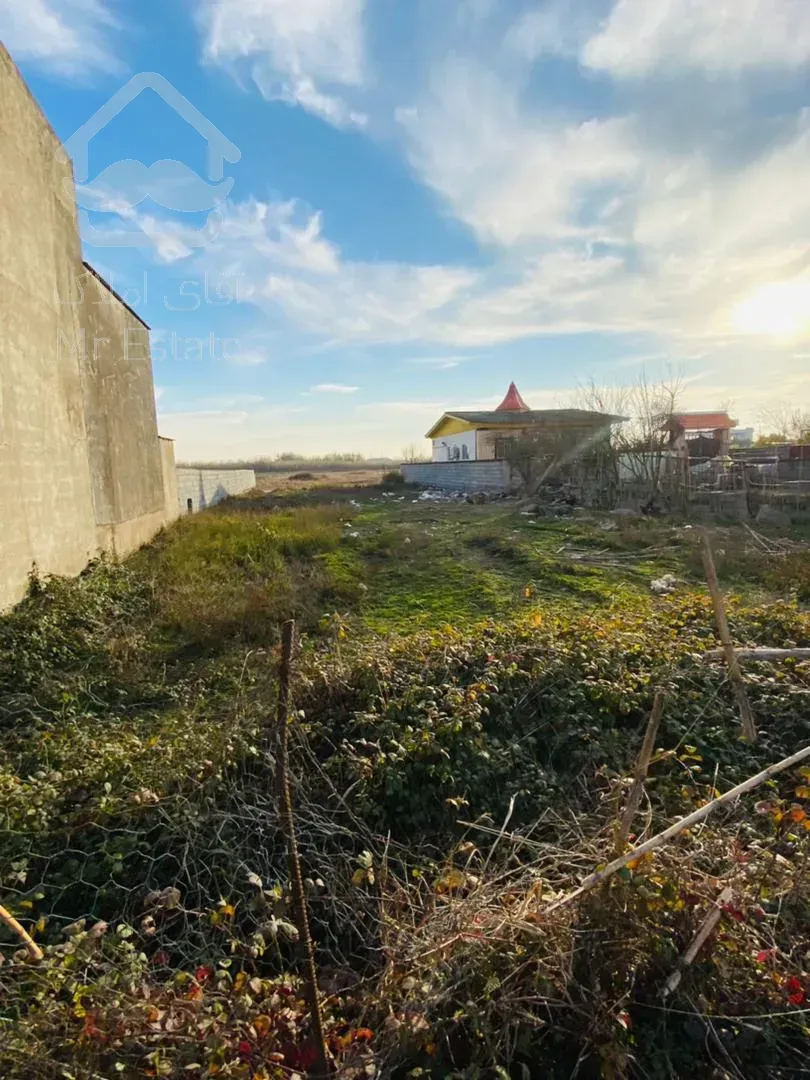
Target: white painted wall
<point x="207" y="487"/>
<point x="459" y="447"/>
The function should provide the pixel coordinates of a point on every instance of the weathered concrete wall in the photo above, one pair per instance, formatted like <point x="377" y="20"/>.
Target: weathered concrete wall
<point x="489" y="476"/>
<point x="80" y="464"/>
<point x="170" y="497"/>
<point x="122" y="437"/>
<point x="45" y="488"/>
<point x="207" y="487"/>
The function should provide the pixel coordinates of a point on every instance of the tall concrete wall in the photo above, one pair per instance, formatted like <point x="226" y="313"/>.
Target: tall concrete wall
<point x="207" y="487"/>
<point x="122" y="438"/>
<point x="466" y="476"/>
<point x="80" y="464"/>
<point x="45" y="489"/>
<point x="170" y="497"/>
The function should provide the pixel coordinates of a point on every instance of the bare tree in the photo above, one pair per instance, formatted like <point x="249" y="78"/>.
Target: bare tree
<point x="540" y="456"/>
<point x="412" y="452"/>
<point x="785" y="423"/>
<point x="639" y="449"/>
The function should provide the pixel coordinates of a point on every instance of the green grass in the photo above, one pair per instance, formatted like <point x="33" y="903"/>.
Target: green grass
<point x="459" y="661"/>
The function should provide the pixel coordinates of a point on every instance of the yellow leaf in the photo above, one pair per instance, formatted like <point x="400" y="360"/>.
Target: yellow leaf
<point x="451" y="879"/>
<point x="359" y="876"/>
<point x="261" y="1025"/>
<point x="803" y="791"/>
<point x="239" y="982"/>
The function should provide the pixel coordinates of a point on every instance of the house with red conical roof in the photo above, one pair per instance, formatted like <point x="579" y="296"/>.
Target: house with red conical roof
<point x="461" y="435"/>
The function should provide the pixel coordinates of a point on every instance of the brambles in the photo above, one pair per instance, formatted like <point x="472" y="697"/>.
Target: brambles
<point x="135" y="795"/>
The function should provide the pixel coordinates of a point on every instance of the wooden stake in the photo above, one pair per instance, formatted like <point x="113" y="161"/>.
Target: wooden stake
<point x="700" y="938"/>
<point x="749" y="731"/>
<point x="640" y="773"/>
<point x="34" y="951"/>
<point x="288" y="826"/>
<point x="600" y="876"/>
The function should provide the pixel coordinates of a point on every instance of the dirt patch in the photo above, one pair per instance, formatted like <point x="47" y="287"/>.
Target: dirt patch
<point x="307" y="481"/>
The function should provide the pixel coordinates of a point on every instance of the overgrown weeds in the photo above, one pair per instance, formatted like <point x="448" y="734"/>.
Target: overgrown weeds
<point x="449" y="784"/>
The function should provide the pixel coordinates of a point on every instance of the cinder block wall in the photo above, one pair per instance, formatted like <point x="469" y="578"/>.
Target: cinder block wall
<point x="493" y="477"/>
<point x="80" y="462"/>
<point x="207" y="487"/>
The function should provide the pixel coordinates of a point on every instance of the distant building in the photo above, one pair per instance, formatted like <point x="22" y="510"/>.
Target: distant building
<point x="742" y="438"/>
<point x="463" y="435"/>
<point x="701" y="434"/>
<point x="473" y="450"/>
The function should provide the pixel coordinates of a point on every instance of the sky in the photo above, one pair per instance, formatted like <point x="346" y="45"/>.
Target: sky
<point x="352" y="215"/>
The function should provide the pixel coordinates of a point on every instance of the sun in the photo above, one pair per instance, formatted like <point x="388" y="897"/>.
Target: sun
<point x="780" y="309"/>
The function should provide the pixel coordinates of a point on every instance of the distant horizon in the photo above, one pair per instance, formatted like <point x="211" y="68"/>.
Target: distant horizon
<point x="411" y="205"/>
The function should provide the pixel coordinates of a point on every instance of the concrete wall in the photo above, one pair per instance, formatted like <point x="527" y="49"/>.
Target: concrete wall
<point x="207" y="487"/>
<point x="80" y="465"/>
<point x="469" y="476"/>
<point x="122" y="437"/>
<point x="45" y="488"/>
<point x="170" y="497"/>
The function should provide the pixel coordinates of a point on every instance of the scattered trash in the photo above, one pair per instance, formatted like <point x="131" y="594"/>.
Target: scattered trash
<point x="664" y="585"/>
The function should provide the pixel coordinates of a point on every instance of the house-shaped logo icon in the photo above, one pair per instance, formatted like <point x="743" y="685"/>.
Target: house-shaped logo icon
<point x="124" y="184"/>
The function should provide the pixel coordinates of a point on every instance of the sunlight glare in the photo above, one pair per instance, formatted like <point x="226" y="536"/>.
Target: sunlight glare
<point x="780" y="310"/>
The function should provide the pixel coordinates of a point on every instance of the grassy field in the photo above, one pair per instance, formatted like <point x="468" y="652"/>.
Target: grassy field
<point x="463" y="668"/>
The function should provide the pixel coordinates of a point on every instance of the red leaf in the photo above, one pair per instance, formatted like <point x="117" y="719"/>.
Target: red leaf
<point x="795" y="989"/>
<point x="734" y="912"/>
<point x="245" y="1049"/>
<point x="203" y="973"/>
<point x="362" y="1035"/>
<point x="764" y="955"/>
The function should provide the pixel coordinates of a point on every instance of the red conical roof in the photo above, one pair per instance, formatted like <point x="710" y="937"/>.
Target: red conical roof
<point x="513" y="402"/>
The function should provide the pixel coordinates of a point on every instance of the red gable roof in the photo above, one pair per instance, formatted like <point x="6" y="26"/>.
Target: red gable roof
<point x="704" y="421"/>
<point x="513" y="402"/>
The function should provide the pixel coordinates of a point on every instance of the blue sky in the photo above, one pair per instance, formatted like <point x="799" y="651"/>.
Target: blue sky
<point x="434" y="197"/>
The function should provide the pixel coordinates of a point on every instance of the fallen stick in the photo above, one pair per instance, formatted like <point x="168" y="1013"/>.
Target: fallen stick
<point x="640" y="772"/>
<point x="749" y="730"/>
<point x="708" y="925"/>
<point x="600" y="876"/>
<point x="34" y="951"/>
<point x="761" y="654"/>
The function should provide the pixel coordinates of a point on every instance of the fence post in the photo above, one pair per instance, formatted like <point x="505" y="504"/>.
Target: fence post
<point x="640" y="772"/>
<point x="288" y="827"/>
<point x="749" y="730"/>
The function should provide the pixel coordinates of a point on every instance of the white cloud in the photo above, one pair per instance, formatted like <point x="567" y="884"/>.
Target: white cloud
<point x="513" y="175"/>
<point x="295" y="48"/>
<point x="247" y="357"/>
<point x="333" y="388"/>
<point x="70" y="38"/>
<point x="644" y="36"/>
<point x="440" y="363"/>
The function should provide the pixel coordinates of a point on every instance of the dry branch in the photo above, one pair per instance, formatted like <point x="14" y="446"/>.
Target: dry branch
<point x="288" y="825"/>
<point x="749" y="731"/>
<point x="708" y="925"/>
<point x="34" y="951"/>
<point x="761" y="654"/>
<point x="661" y="838"/>
<point x="640" y="773"/>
